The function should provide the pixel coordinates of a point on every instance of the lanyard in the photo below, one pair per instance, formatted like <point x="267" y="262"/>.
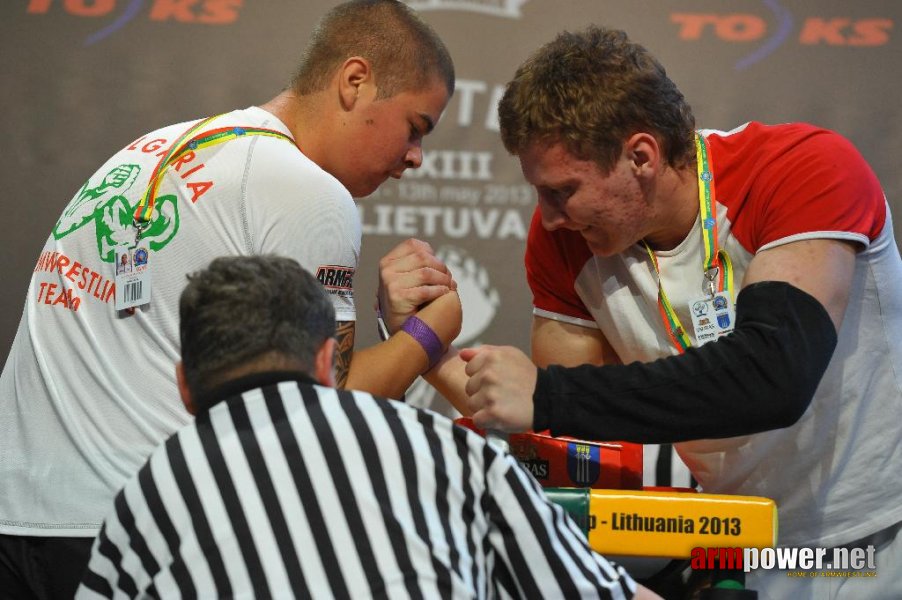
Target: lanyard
<point x="717" y="268"/>
<point x="189" y="142"/>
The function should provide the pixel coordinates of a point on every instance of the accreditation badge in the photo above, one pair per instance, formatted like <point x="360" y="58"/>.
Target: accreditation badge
<point x="712" y="317"/>
<point x="132" y="277"/>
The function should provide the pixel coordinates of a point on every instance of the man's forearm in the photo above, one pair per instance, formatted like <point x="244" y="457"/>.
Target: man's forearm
<point x="760" y="377"/>
<point x="449" y="379"/>
<point x="387" y="369"/>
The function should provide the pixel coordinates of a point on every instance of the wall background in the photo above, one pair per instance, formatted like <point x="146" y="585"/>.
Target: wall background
<point x="83" y="78"/>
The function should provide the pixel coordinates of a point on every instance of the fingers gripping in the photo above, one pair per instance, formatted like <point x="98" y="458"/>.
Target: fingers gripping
<point x="500" y="387"/>
<point x="410" y="275"/>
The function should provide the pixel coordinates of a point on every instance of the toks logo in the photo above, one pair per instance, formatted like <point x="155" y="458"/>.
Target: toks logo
<point x="206" y="12"/>
<point x="747" y="28"/>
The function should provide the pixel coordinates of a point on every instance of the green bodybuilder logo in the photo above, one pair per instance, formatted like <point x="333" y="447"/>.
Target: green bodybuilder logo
<point x="107" y="207"/>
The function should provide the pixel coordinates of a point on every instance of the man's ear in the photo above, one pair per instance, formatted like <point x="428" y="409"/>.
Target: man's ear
<point x="644" y="153"/>
<point x="323" y="370"/>
<point x="184" y="391"/>
<point x="354" y="73"/>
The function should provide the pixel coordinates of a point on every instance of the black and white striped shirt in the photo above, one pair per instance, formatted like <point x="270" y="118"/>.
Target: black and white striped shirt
<point x="288" y="489"/>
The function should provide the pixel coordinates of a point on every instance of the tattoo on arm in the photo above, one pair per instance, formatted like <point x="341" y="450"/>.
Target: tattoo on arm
<point x="344" y="336"/>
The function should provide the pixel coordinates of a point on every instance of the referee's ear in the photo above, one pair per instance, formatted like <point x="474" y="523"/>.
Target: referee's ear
<point x="323" y="370"/>
<point x="184" y="391"/>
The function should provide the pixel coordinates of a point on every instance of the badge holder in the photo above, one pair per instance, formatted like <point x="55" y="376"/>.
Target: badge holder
<point x="132" y="279"/>
<point x="713" y="314"/>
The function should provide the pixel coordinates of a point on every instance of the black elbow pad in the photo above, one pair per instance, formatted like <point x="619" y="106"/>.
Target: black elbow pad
<point x="761" y="376"/>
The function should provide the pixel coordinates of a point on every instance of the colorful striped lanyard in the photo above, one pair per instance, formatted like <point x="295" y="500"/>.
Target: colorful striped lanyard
<point x="717" y="268"/>
<point x="189" y="142"/>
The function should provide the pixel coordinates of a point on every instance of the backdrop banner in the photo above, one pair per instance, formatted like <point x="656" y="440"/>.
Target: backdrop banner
<point x="83" y="78"/>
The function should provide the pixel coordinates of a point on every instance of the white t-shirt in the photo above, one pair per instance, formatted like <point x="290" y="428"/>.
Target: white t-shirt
<point x="835" y="473"/>
<point x="88" y="392"/>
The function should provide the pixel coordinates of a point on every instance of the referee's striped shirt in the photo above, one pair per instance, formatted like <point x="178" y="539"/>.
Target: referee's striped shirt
<point x="288" y="489"/>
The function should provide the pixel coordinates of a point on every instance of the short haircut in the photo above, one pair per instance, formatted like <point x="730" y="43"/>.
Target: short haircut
<point x="405" y="53"/>
<point x="242" y="308"/>
<point x="591" y="91"/>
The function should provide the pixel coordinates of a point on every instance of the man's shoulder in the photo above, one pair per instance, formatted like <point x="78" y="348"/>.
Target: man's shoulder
<point x="392" y="410"/>
<point x="759" y="128"/>
<point x="278" y="167"/>
<point x="288" y="397"/>
<point x="783" y="140"/>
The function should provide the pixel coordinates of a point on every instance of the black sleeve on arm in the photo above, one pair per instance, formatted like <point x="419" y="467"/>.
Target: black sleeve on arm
<point x="761" y="376"/>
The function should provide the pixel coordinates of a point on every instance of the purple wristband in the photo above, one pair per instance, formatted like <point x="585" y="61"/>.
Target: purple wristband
<point x="422" y="333"/>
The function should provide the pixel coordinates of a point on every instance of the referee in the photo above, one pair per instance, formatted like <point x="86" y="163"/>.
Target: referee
<point x="286" y="487"/>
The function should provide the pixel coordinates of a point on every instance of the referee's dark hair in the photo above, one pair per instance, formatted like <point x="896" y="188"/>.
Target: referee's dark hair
<point x="263" y="312"/>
